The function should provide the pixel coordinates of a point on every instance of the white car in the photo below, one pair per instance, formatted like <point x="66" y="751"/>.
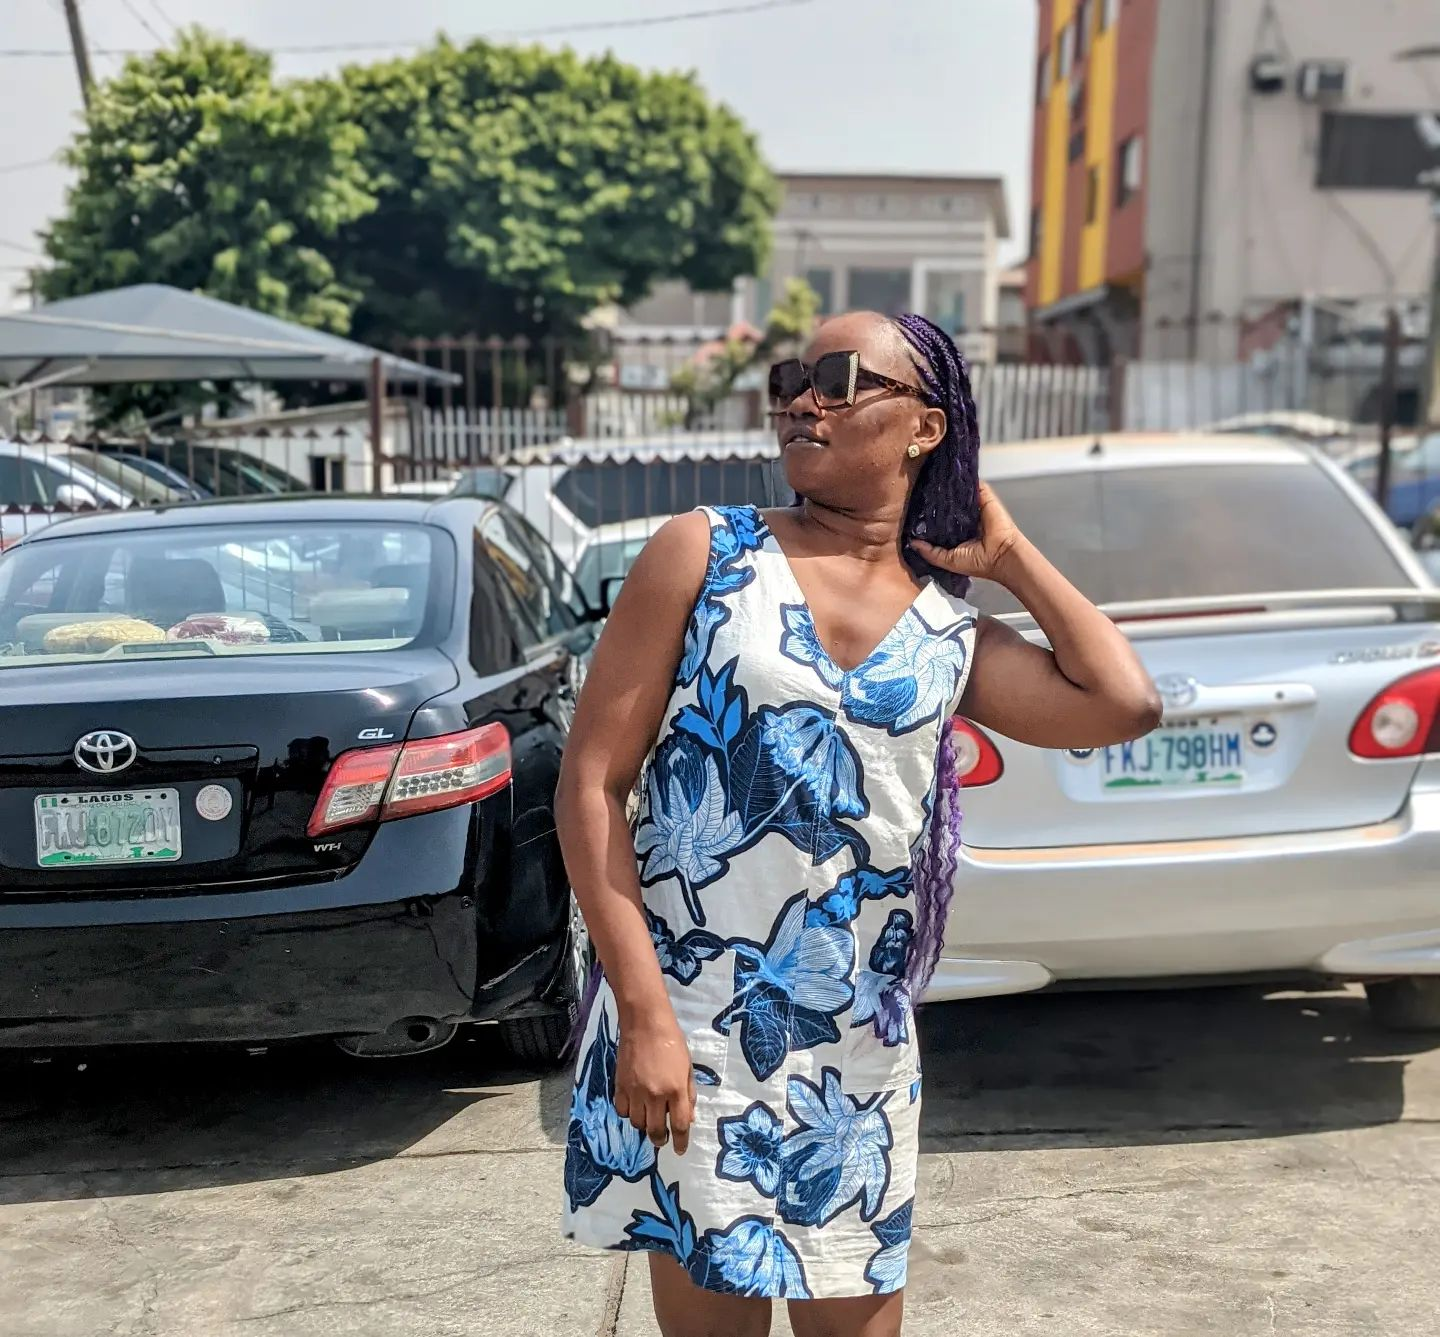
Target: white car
<point x="42" y="483"/>
<point x="1284" y="820"/>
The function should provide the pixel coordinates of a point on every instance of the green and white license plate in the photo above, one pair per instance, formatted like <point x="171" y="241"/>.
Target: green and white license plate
<point x="108" y="827"/>
<point x="1210" y="754"/>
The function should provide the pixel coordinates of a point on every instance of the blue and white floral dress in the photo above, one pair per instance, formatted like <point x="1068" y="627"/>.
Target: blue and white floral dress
<point x="777" y="819"/>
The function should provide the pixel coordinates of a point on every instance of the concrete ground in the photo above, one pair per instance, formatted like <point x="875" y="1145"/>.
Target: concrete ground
<point x="1216" y="1161"/>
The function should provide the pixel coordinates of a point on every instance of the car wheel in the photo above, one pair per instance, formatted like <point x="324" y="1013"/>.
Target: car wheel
<point x="541" y="1040"/>
<point x="1409" y="1004"/>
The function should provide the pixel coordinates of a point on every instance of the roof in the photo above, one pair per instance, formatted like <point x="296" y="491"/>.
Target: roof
<point x="1137" y="450"/>
<point x="994" y="186"/>
<point x="319" y="508"/>
<point x="152" y="332"/>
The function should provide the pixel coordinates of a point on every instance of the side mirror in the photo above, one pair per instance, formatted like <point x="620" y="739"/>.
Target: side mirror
<point x="74" y="497"/>
<point x="609" y="592"/>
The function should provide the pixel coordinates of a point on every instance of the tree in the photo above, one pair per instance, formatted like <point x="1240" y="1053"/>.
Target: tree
<point x="519" y="189"/>
<point x="710" y="378"/>
<point x="197" y="170"/>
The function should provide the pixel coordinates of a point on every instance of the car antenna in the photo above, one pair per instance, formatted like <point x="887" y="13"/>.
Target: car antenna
<point x="1098" y="448"/>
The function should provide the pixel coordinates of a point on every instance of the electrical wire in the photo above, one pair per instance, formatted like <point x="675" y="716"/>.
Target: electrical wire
<point x="142" y="20"/>
<point x="26" y="166"/>
<point x="554" y="30"/>
<point x="164" y="17"/>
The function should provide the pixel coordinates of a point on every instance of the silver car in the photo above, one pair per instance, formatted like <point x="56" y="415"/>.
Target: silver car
<point x="1284" y="819"/>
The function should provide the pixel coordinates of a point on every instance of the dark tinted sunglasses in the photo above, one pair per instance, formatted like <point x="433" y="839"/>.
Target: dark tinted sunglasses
<point x="836" y="378"/>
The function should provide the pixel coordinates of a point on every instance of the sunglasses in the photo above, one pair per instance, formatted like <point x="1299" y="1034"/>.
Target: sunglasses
<point x="836" y="378"/>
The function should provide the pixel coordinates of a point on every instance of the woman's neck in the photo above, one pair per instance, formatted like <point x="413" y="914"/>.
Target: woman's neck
<point x="872" y="535"/>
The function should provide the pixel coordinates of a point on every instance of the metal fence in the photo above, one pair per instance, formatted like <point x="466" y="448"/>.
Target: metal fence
<point x="598" y="438"/>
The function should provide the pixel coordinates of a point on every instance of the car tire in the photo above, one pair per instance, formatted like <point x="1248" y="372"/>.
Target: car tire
<point x="541" y="1040"/>
<point x="1408" y="1004"/>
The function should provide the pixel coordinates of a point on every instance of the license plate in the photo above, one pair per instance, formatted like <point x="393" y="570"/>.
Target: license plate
<point x="112" y="826"/>
<point x="1173" y="755"/>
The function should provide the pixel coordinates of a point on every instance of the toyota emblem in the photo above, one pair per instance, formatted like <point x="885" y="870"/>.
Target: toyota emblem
<point x="105" y="751"/>
<point x="1177" y="689"/>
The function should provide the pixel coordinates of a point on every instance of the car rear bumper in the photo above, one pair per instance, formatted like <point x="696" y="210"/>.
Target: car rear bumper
<point x="1362" y="901"/>
<point x="398" y="938"/>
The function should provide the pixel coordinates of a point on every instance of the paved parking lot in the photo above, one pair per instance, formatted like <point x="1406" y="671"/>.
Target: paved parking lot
<point x="1217" y="1161"/>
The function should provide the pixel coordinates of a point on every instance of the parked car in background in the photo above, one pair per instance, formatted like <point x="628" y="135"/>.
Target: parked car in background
<point x="1426" y="538"/>
<point x="209" y="469"/>
<point x="1283" y="822"/>
<point x="608" y="553"/>
<point x="285" y="768"/>
<point x="1414" y="475"/>
<point x="571" y="489"/>
<point x="42" y="482"/>
<point x="1332" y="435"/>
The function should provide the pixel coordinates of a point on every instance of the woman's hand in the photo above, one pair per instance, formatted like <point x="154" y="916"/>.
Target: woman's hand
<point x="654" y="1082"/>
<point x="985" y="555"/>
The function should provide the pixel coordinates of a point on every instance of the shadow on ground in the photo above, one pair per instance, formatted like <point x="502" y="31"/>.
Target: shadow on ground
<point x="1143" y="1068"/>
<point x="1091" y="1069"/>
<point x="156" y="1119"/>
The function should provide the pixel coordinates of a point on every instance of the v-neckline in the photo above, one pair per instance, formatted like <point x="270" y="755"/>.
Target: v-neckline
<point x="804" y="603"/>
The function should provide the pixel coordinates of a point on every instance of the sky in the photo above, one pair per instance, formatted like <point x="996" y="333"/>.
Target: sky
<point x="938" y="85"/>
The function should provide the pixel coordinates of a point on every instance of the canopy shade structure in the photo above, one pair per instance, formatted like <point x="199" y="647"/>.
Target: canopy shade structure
<point x="152" y="332"/>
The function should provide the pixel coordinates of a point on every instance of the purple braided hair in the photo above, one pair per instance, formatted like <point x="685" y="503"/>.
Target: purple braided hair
<point x="944" y="509"/>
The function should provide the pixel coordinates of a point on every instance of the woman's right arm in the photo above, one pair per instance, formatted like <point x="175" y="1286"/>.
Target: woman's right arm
<point x="618" y="716"/>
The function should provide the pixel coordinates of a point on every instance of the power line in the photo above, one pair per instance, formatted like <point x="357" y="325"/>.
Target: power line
<point x="142" y="20"/>
<point x="554" y="30"/>
<point x="26" y="166"/>
<point x="164" y="17"/>
<point x="20" y="246"/>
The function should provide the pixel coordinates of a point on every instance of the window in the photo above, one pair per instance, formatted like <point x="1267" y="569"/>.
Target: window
<point x="1063" y="54"/>
<point x="1197" y="530"/>
<point x="23" y="483"/>
<point x="232" y="589"/>
<point x="521" y="588"/>
<point x="823" y="281"/>
<point x="1092" y="193"/>
<point x="1036" y="230"/>
<point x="1109" y="12"/>
<point x="1083" y="16"/>
<point x="763" y="300"/>
<point x="1077" y="145"/>
<point x="884" y="290"/>
<point x="611" y="492"/>
<point x="1042" y="76"/>
<point x="1129" y="170"/>
<point x="561" y="602"/>
<point x="945" y="292"/>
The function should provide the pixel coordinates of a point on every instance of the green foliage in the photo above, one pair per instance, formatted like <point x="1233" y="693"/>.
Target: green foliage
<point x="197" y="170"/>
<point x="521" y="188"/>
<point x="710" y="379"/>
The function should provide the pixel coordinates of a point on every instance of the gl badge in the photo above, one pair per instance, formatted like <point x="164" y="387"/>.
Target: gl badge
<point x="105" y="751"/>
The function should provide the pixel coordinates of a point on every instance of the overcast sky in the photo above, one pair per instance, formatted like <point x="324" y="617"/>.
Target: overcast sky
<point x="942" y="85"/>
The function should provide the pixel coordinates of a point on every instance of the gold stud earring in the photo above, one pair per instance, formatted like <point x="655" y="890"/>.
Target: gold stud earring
<point x="913" y="450"/>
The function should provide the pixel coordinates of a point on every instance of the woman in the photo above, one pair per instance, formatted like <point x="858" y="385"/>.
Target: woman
<point x="747" y="1101"/>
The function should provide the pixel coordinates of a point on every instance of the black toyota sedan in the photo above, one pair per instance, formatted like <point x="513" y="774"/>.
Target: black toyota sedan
<point x="284" y="768"/>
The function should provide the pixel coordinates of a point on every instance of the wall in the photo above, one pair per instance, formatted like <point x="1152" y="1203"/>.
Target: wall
<point x="1270" y="235"/>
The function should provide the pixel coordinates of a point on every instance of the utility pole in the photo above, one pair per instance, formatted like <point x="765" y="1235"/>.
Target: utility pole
<point x="77" y="45"/>
<point x="1432" y="348"/>
<point x="1388" y="369"/>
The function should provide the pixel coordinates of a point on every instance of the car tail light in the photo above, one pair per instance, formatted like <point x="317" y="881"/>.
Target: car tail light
<point x="977" y="760"/>
<point x="1402" y="721"/>
<point x="420" y="776"/>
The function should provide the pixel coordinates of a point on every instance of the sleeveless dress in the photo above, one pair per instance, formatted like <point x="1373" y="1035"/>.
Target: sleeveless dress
<point x="778" y="815"/>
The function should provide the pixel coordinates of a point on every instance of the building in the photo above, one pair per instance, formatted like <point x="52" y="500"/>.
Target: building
<point x="1210" y="176"/>
<point x="888" y="241"/>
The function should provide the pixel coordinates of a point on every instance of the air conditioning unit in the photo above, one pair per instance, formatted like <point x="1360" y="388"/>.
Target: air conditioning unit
<point x="1321" y="80"/>
<point x="1267" y="74"/>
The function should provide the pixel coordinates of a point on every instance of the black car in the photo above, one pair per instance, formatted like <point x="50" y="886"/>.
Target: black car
<point x="285" y="768"/>
<point x="205" y="469"/>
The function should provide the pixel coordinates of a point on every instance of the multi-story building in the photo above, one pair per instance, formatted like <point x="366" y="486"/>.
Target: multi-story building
<point x="1209" y="174"/>
<point x="888" y="241"/>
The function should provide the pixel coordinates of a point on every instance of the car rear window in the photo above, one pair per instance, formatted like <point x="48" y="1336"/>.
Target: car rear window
<point x="1124" y="535"/>
<point x="606" y="492"/>
<point x="248" y="589"/>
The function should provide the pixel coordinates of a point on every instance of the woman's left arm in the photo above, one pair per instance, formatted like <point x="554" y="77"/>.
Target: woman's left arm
<point x="1089" y="690"/>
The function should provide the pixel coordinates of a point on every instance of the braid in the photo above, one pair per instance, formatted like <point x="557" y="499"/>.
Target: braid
<point x="945" y="504"/>
<point x="945" y="510"/>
